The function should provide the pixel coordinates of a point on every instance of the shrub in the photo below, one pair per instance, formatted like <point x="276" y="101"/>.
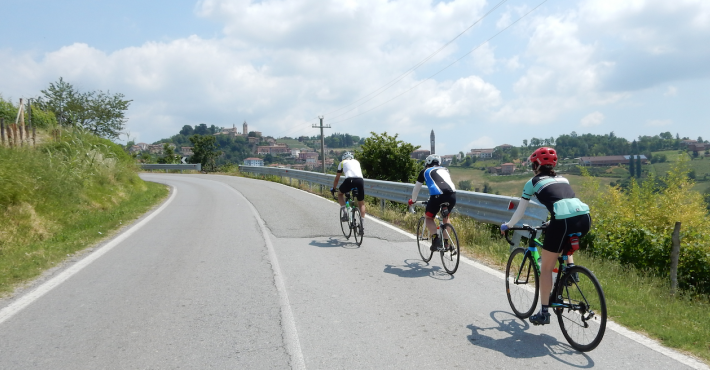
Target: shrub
<point x="634" y="226"/>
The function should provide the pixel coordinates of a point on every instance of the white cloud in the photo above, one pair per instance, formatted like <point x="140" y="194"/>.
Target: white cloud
<point x="659" y="122"/>
<point x="482" y="142"/>
<point x="671" y="91"/>
<point x="592" y="119"/>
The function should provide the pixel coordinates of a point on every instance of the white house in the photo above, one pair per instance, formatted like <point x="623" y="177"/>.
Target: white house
<point x="255" y="162"/>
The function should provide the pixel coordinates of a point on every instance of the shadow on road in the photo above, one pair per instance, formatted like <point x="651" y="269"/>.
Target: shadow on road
<point x="511" y="339"/>
<point x="335" y="243"/>
<point x="418" y="269"/>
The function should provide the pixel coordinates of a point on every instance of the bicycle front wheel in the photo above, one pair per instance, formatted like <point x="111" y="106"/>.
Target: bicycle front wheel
<point x="521" y="283"/>
<point x="345" y="225"/>
<point x="451" y="253"/>
<point x="424" y="240"/>
<point x="356" y="224"/>
<point x="582" y="314"/>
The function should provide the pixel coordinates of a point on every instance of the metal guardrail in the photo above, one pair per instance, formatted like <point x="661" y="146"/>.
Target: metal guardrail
<point x="187" y="167"/>
<point x="488" y="208"/>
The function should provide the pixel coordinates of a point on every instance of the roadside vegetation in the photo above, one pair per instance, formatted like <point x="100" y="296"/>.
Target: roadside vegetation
<point x="70" y="190"/>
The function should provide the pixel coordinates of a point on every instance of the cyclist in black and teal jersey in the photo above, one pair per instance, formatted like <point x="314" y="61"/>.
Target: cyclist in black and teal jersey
<point x="568" y="215"/>
<point x="441" y="190"/>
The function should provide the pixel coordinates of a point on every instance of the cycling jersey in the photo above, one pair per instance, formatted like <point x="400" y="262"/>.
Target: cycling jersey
<point x="555" y="193"/>
<point x="351" y="169"/>
<point x="437" y="179"/>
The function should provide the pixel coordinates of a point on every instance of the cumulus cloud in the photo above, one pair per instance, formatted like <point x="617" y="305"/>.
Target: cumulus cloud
<point x="671" y="91"/>
<point x="592" y="119"/>
<point x="482" y="142"/>
<point x="659" y="122"/>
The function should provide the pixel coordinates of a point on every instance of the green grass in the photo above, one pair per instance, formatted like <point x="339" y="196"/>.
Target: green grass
<point x="292" y="143"/>
<point x="635" y="299"/>
<point x="61" y="197"/>
<point x="73" y="233"/>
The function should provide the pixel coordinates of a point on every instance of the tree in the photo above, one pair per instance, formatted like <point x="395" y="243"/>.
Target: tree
<point x="632" y="170"/>
<point x="102" y="113"/>
<point x="383" y="157"/>
<point x="169" y="155"/>
<point x="464" y="185"/>
<point x="638" y="166"/>
<point x="204" y="151"/>
<point x="187" y="130"/>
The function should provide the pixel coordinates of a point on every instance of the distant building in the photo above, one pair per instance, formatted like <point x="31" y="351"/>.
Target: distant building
<point x="272" y="149"/>
<point x="610" y="160"/>
<point x="420" y="154"/>
<point x="507" y="168"/>
<point x="482" y="153"/>
<point x="186" y="150"/>
<point x="155" y="149"/>
<point x="143" y="146"/>
<point x="698" y="147"/>
<point x="432" y="140"/>
<point x="255" y="162"/>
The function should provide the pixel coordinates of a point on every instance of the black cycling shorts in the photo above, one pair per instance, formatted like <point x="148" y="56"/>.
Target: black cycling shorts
<point x="557" y="234"/>
<point x="354" y="183"/>
<point x="435" y="201"/>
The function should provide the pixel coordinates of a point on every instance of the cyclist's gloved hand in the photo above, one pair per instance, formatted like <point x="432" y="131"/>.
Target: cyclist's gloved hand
<point x="332" y="190"/>
<point x="503" y="227"/>
<point x="410" y="202"/>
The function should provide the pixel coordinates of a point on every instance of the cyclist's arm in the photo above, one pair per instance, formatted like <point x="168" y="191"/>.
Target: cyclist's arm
<point x="337" y="178"/>
<point x="518" y="215"/>
<point x="415" y="191"/>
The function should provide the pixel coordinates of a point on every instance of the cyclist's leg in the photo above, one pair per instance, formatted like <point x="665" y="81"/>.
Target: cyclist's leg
<point x="451" y="199"/>
<point x="359" y="184"/>
<point x="342" y="189"/>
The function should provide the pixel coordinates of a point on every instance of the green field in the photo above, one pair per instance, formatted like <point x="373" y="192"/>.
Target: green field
<point x="511" y="185"/>
<point x="292" y="143"/>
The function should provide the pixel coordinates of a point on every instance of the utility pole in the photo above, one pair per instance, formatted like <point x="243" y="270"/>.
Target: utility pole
<point x="322" y="140"/>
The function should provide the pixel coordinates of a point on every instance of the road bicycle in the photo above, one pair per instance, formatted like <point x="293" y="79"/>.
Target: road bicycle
<point x="449" y="250"/>
<point x="350" y="218"/>
<point x="577" y="298"/>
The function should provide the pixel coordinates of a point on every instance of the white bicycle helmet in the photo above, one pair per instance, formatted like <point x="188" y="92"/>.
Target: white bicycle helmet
<point x="348" y="155"/>
<point x="433" y="159"/>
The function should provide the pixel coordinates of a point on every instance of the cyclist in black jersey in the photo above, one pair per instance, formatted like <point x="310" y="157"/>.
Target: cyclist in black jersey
<point x="568" y="215"/>
<point x="441" y="190"/>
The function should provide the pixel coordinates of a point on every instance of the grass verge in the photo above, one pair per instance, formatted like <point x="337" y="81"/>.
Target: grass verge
<point x="76" y="231"/>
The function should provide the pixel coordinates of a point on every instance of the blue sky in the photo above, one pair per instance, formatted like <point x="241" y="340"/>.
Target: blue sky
<point x="636" y="67"/>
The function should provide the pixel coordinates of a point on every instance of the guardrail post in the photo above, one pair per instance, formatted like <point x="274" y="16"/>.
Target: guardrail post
<point x="382" y="205"/>
<point x="675" y="253"/>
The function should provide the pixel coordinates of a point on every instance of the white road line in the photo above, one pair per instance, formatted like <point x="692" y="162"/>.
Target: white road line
<point x="24" y="301"/>
<point x="636" y="337"/>
<point x="293" y="345"/>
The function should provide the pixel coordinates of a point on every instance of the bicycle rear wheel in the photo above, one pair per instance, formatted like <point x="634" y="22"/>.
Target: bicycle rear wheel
<point x="357" y="226"/>
<point x="521" y="283"/>
<point x="451" y="253"/>
<point x="345" y="225"/>
<point x="583" y="315"/>
<point x="424" y="240"/>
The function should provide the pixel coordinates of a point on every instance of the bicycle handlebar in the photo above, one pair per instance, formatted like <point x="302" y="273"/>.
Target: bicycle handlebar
<point x="421" y="202"/>
<point x="525" y="227"/>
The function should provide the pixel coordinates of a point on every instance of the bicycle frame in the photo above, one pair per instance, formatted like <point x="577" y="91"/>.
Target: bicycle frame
<point x="532" y="252"/>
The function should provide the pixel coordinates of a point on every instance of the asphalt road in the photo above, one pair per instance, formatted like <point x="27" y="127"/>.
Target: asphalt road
<point x="240" y="273"/>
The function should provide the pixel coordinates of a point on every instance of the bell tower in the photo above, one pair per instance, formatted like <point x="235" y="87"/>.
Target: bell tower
<point x="432" y="140"/>
<point x="245" y="131"/>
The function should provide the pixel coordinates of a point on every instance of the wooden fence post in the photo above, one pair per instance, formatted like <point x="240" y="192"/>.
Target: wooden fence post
<point x="675" y="253"/>
<point x="2" y="130"/>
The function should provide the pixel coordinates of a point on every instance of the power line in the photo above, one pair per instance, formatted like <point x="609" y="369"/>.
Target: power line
<point x="411" y="70"/>
<point x="441" y="70"/>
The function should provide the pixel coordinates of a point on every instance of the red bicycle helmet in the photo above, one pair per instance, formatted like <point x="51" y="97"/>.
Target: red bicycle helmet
<point x="543" y="156"/>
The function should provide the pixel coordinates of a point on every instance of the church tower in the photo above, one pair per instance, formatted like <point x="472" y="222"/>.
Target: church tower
<point x="433" y="150"/>
<point x="245" y="131"/>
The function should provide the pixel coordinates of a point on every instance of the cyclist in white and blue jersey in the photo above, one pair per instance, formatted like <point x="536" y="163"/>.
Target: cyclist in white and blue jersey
<point x="568" y="215"/>
<point x="441" y="190"/>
